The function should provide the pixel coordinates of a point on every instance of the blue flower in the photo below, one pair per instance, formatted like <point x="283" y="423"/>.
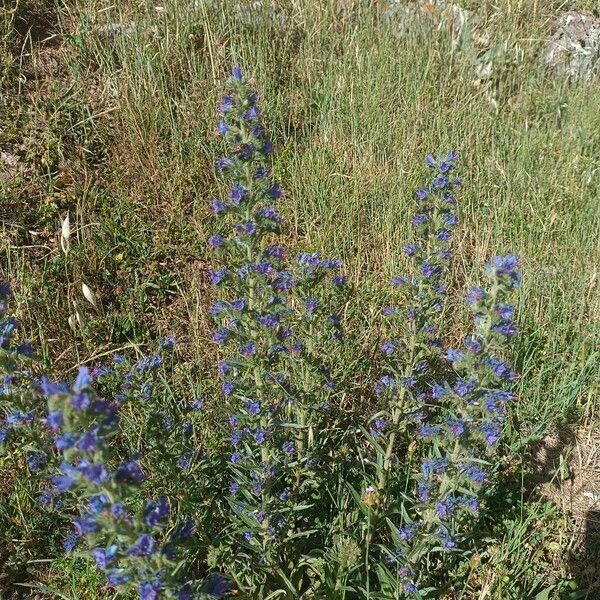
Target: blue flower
<point x="430" y="270"/>
<point x="216" y="585"/>
<point x="388" y="347"/>
<point x="216" y="241"/>
<point x="130" y="472"/>
<point x="226" y="105"/>
<point x="237" y="194"/>
<point x="224" y="163"/>
<point x="143" y="546"/>
<point x="35" y="460"/>
<point x="463" y="387"/>
<point x="408" y="531"/>
<point x="228" y="387"/>
<point x="84" y="379"/>
<point x="491" y="432"/>
<point x="221" y="335"/>
<point x="118" y="577"/>
<point x="104" y="557"/>
<point x="156" y="513"/>
<point x="422" y="194"/>
<point x="149" y="590"/>
<point x="419" y="219"/>
<point x="80" y="401"/>
<point x="219" y="207"/>
<point x="411" y="249"/>
<point x="236" y="74"/>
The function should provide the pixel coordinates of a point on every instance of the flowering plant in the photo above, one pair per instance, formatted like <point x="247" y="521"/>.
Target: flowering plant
<point x="300" y="498"/>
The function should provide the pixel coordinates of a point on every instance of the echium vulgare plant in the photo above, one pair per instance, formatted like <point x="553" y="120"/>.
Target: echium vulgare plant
<point x="137" y="546"/>
<point x="271" y="329"/>
<point x="410" y="353"/>
<point x="458" y="420"/>
<point x="461" y="441"/>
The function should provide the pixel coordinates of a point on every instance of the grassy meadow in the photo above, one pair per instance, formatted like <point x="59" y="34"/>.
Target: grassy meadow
<point x="107" y="114"/>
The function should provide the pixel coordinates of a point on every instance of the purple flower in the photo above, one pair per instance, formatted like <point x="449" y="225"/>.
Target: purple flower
<point x="143" y="546"/>
<point x="216" y="241"/>
<point x="85" y="525"/>
<point x="252" y="114"/>
<point x="430" y="270"/>
<point x="149" y="590"/>
<point x="228" y="388"/>
<point x="473" y="345"/>
<point x="385" y="383"/>
<point x="378" y="426"/>
<point x="268" y="212"/>
<point x="463" y="387"/>
<point x="419" y="219"/>
<point x="507" y="266"/>
<point x="247" y="228"/>
<point x="104" y="557"/>
<point x="156" y="513"/>
<point x="428" y="431"/>
<point x="270" y="320"/>
<point x="237" y="194"/>
<point x="89" y="441"/>
<point x="236" y="73"/>
<point x="456" y="426"/>
<point x="444" y="235"/>
<point x="84" y="379"/>
<point x="222" y="128"/>
<point x="411" y="249"/>
<point x="475" y="295"/>
<point x="388" y="347"/>
<point x="422" y="194"/>
<point x="54" y="420"/>
<point x="400" y="280"/>
<point x="130" y="472"/>
<point x="506" y="328"/>
<point x="248" y="348"/>
<point x="274" y="191"/>
<point x="440" y="182"/>
<point x="218" y="276"/>
<point x="223" y="163"/>
<point x="288" y="447"/>
<point x="408" y="531"/>
<point x="221" y="335"/>
<point x="253" y="407"/>
<point x="62" y="482"/>
<point x="473" y="472"/>
<point x="226" y="104"/>
<point x="260" y="437"/>
<point x="491" y="432"/>
<point x="118" y="577"/>
<point x="80" y="401"/>
<point x="450" y="220"/>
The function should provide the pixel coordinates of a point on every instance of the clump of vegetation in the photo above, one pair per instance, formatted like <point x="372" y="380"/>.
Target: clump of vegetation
<point x="317" y="503"/>
<point x="340" y="436"/>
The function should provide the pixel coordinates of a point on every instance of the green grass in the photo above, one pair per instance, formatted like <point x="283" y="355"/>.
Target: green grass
<point x="117" y="129"/>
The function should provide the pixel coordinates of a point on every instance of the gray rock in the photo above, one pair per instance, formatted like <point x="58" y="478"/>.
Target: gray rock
<point x="574" y="49"/>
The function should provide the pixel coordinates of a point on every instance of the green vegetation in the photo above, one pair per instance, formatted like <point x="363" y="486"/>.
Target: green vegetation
<point x="107" y="115"/>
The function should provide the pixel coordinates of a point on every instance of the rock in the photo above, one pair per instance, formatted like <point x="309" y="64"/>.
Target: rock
<point x="574" y="49"/>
